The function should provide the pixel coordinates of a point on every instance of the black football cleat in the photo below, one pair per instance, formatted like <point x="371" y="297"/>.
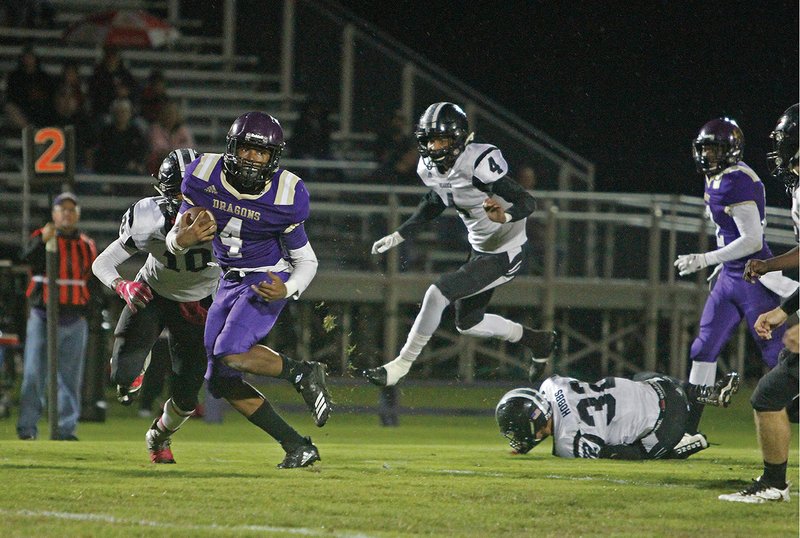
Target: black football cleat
<point x="376" y="376"/>
<point x="720" y="394"/>
<point x="540" y="343"/>
<point x="302" y="456"/>
<point x="127" y="395"/>
<point x="311" y="385"/>
<point x="536" y="369"/>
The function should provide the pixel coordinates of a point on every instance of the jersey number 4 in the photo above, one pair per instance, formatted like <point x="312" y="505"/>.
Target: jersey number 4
<point x="231" y="237"/>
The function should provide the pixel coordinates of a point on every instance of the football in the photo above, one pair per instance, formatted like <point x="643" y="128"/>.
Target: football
<point x="191" y="214"/>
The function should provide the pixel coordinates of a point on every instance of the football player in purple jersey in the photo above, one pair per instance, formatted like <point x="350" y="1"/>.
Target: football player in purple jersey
<point x="735" y="202"/>
<point x="775" y="400"/>
<point x="261" y="245"/>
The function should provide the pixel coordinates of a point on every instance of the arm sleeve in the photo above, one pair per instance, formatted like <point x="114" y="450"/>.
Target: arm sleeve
<point x="751" y="234"/>
<point x="105" y="266"/>
<point x="305" y="263"/>
<point x="511" y="191"/>
<point x="428" y="209"/>
<point x="792" y="304"/>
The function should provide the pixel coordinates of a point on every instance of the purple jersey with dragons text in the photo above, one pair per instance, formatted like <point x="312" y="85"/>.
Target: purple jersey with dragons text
<point x="736" y="185"/>
<point x="253" y="230"/>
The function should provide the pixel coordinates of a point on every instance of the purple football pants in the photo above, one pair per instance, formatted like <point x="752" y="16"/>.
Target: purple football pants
<point x="237" y="320"/>
<point x="731" y="300"/>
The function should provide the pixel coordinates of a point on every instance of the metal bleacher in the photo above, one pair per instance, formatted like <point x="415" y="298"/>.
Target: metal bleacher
<point x="613" y="317"/>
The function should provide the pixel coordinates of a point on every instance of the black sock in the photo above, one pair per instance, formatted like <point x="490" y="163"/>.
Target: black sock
<point x="695" y="409"/>
<point x="774" y="475"/>
<point x="271" y="422"/>
<point x="292" y="369"/>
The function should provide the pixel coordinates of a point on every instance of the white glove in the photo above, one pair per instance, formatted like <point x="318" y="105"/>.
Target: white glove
<point x="690" y="263"/>
<point x="385" y="243"/>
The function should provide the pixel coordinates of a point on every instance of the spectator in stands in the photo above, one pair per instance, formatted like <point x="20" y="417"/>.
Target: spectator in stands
<point x="109" y="78"/>
<point x="311" y="136"/>
<point x="67" y="112"/>
<point x="77" y="286"/>
<point x="29" y="92"/>
<point x="311" y="139"/>
<point x="71" y="80"/>
<point x="154" y="95"/>
<point x="166" y="134"/>
<point x="526" y="177"/>
<point x="122" y="148"/>
<point x="397" y="156"/>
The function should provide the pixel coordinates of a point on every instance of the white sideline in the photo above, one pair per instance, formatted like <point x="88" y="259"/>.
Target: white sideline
<point x="103" y="518"/>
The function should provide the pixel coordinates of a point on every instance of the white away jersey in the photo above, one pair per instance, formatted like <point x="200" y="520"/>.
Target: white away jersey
<point x="479" y="163"/>
<point x="182" y="278"/>
<point x="586" y="416"/>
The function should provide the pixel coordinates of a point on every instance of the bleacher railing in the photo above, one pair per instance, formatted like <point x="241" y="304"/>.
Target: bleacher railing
<point x="615" y="297"/>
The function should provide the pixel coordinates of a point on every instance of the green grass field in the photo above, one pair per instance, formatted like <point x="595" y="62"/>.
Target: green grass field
<point x="434" y="475"/>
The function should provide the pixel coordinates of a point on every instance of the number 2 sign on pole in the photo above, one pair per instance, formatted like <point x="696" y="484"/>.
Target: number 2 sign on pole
<point x="49" y="161"/>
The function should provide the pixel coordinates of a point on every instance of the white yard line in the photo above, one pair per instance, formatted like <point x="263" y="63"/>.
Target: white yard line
<point x="103" y="518"/>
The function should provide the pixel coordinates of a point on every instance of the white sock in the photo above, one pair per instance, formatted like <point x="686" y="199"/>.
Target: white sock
<point x="493" y="326"/>
<point x="425" y="324"/>
<point x="703" y="373"/>
<point x="396" y="369"/>
<point x="173" y="417"/>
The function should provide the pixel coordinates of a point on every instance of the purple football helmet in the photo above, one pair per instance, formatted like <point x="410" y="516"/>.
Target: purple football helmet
<point x="253" y="130"/>
<point x="718" y="146"/>
<point x="784" y="158"/>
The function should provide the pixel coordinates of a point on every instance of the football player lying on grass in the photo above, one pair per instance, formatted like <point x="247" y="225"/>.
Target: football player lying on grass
<point x="615" y="418"/>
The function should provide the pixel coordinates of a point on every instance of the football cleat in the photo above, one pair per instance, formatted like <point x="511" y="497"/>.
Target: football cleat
<point x="311" y="385"/>
<point x="126" y="395"/>
<point x="376" y="376"/>
<point x="720" y="394"/>
<point x="158" y="444"/>
<point x="540" y="343"/>
<point x="688" y="445"/>
<point x="302" y="456"/>
<point x="758" y="493"/>
<point x="536" y="369"/>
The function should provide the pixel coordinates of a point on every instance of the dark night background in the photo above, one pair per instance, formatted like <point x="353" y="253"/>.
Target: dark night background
<point x="625" y="84"/>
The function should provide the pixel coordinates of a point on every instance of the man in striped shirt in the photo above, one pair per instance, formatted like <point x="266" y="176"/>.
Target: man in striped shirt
<point x="76" y="285"/>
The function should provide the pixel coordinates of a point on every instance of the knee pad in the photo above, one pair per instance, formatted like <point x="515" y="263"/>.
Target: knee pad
<point x="224" y="387"/>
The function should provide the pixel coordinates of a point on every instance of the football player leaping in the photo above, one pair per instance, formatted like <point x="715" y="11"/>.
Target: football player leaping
<point x="470" y="178"/>
<point x="169" y="291"/>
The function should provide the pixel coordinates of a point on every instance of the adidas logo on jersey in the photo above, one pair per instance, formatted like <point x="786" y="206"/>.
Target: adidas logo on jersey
<point x="211" y="189"/>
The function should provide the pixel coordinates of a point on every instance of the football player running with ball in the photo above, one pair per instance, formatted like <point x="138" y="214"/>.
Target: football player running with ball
<point x="266" y="259"/>
<point x="169" y="291"/>
<point x="470" y="178"/>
